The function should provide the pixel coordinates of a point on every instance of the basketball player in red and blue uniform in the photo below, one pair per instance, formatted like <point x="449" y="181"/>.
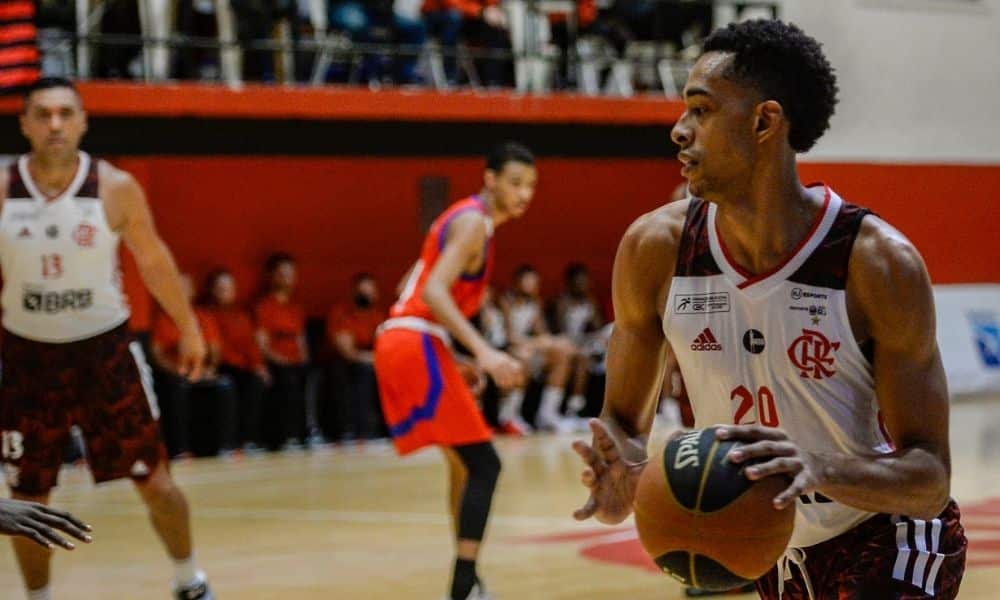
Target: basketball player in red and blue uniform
<point x="802" y="325"/>
<point x="424" y="394"/>
<point x="68" y="357"/>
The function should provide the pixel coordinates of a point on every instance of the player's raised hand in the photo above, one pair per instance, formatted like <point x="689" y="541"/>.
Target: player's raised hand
<point x="612" y="480"/>
<point x="40" y="523"/>
<point x="503" y="368"/>
<point x="192" y="352"/>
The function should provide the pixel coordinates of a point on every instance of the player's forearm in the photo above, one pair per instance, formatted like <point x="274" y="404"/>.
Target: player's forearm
<point x="448" y="314"/>
<point x="160" y="274"/>
<point x="914" y="482"/>
<point x="635" y="372"/>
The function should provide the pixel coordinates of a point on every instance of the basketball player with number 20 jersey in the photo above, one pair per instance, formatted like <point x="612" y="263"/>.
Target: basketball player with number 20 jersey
<point x="424" y="396"/>
<point x="68" y="357"/>
<point x="803" y="326"/>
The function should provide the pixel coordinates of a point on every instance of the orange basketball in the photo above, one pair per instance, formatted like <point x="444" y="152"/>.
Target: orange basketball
<point x="703" y="521"/>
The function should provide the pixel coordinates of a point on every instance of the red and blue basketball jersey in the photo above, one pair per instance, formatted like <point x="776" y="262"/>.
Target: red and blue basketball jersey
<point x="470" y="288"/>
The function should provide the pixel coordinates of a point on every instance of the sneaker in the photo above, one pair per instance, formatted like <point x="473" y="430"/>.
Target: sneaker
<point x="197" y="591"/>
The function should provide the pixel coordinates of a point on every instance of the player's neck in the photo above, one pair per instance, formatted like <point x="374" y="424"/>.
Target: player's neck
<point x="53" y="174"/>
<point x="762" y="223"/>
<point x="490" y="204"/>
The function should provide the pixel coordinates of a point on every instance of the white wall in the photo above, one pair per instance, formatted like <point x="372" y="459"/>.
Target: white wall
<point x="919" y="79"/>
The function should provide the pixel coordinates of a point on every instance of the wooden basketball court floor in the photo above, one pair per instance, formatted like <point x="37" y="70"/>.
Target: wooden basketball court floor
<point x="361" y="523"/>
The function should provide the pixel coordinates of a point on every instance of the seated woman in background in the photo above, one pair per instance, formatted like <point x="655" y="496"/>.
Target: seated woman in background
<point x="281" y="335"/>
<point x="241" y="359"/>
<point x="543" y="353"/>
<point x="177" y="390"/>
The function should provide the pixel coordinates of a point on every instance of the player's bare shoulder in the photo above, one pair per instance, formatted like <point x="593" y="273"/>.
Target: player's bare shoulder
<point x="652" y="241"/>
<point x="120" y="192"/>
<point x="646" y="257"/>
<point x="888" y="280"/>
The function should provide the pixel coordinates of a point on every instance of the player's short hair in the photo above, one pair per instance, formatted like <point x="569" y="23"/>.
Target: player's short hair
<point x="784" y="64"/>
<point x="48" y="83"/>
<point x="508" y="152"/>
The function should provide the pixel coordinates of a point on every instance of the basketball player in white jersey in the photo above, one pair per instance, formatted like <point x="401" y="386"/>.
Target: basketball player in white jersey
<point x="68" y="357"/>
<point x="802" y="325"/>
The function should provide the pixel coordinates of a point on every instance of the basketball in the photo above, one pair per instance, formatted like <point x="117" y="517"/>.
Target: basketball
<point x="702" y="521"/>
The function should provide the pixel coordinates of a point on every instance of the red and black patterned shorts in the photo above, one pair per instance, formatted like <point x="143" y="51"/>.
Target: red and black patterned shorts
<point x="884" y="558"/>
<point x="102" y="384"/>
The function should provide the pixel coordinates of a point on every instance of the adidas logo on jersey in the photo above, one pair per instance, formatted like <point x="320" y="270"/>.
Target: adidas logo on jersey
<point x="706" y="342"/>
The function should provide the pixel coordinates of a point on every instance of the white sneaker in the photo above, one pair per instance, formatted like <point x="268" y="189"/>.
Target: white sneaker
<point x="197" y="591"/>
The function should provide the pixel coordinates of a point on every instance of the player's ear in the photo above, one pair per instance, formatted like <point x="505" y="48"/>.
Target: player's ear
<point x="489" y="179"/>
<point x="769" y="117"/>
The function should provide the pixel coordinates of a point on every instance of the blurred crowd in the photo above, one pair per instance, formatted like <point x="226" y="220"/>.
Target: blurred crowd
<point x="386" y="41"/>
<point x="275" y="379"/>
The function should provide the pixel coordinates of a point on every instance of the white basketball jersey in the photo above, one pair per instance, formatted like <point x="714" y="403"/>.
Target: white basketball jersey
<point x="777" y="349"/>
<point x="61" y="278"/>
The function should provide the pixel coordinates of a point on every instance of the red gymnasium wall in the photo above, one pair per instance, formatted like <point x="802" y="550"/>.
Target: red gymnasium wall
<point x="343" y="215"/>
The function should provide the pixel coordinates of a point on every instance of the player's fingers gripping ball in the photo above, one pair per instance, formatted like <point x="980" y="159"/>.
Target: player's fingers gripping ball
<point x="702" y="521"/>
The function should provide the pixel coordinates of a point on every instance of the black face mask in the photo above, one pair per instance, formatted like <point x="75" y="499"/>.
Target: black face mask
<point x="362" y="301"/>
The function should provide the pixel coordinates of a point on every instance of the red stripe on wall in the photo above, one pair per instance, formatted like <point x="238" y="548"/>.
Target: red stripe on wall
<point x="16" y="77"/>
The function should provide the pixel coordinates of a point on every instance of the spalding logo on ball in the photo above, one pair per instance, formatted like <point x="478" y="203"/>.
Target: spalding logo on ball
<point x="703" y="521"/>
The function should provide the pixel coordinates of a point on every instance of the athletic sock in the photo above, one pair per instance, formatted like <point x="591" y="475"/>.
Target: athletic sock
<point x="548" y="410"/>
<point x="510" y="406"/>
<point x="44" y="593"/>
<point x="463" y="579"/>
<point x="186" y="572"/>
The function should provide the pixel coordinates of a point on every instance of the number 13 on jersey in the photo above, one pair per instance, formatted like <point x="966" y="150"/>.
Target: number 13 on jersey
<point x="751" y="409"/>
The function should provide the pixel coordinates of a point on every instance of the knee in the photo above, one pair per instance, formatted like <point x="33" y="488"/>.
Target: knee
<point x="490" y="466"/>
<point x="159" y="490"/>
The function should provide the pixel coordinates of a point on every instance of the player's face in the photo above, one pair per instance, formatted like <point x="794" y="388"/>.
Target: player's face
<point x="580" y="284"/>
<point x="54" y="122"/>
<point x="224" y="290"/>
<point x="513" y="187"/>
<point x="716" y="132"/>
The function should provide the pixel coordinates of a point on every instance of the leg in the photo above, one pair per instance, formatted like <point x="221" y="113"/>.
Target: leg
<point x="168" y="511"/>
<point x="458" y="477"/>
<point x="32" y="559"/>
<point x="481" y="466"/>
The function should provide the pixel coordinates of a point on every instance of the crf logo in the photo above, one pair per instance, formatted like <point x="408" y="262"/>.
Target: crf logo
<point x="811" y="353"/>
<point x="84" y="234"/>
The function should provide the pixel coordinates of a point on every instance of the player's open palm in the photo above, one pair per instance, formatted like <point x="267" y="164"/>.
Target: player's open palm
<point x="41" y="523"/>
<point x="612" y="480"/>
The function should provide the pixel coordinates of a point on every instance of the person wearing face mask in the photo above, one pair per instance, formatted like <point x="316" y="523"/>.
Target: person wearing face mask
<point x="351" y="332"/>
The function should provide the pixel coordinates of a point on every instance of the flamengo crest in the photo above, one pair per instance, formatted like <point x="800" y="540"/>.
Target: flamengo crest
<point x="812" y="354"/>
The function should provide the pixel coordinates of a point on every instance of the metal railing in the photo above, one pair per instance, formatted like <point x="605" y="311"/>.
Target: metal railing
<point x="587" y="63"/>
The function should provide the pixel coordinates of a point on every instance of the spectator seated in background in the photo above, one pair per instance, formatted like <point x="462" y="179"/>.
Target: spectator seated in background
<point x="482" y="23"/>
<point x="281" y="334"/>
<point x="351" y="332"/>
<point x="241" y="359"/>
<point x="542" y="353"/>
<point x="381" y="22"/>
<point x="179" y="393"/>
<point x="578" y="317"/>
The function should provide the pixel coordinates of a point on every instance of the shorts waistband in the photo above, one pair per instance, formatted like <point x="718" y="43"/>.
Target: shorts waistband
<point x="415" y="324"/>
